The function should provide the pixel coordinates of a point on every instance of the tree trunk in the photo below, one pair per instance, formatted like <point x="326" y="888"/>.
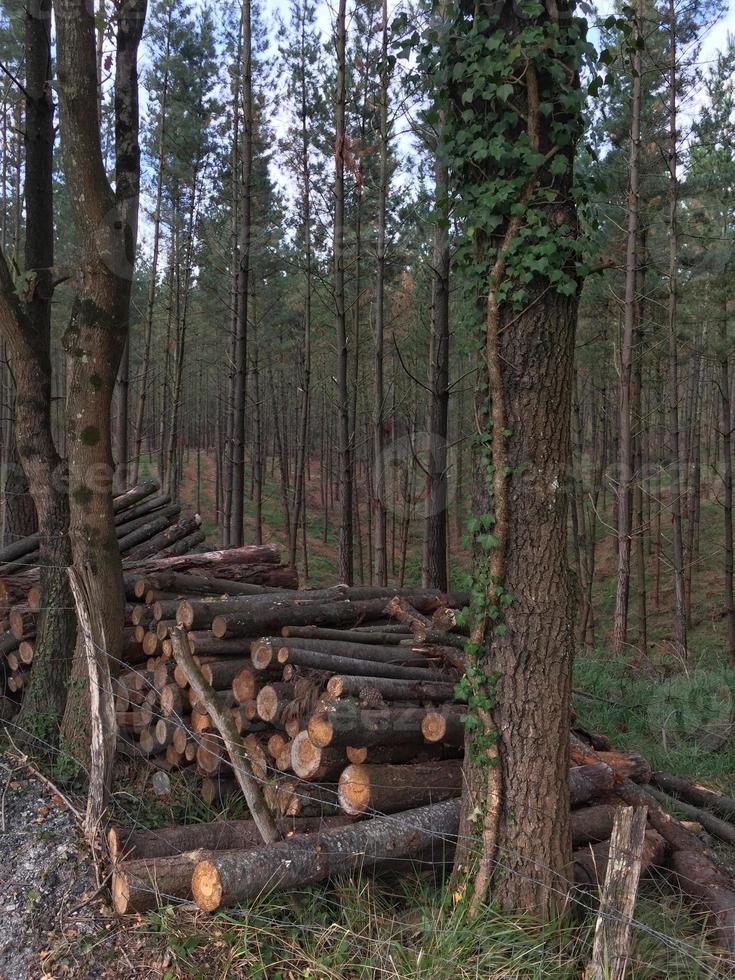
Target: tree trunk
<point x="380" y="569"/>
<point x="726" y="426"/>
<point x="28" y="331"/>
<point x="625" y="444"/>
<point x="106" y="226"/>
<point x="516" y="759"/>
<point x="346" y="564"/>
<point x="680" y="617"/>
<point x="435" y="512"/>
<point x="239" y="407"/>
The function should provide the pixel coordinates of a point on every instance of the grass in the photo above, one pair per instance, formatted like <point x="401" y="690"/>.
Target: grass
<point x="405" y="929"/>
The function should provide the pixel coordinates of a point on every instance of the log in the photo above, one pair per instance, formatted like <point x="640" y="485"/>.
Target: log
<point x="230" y="877"/>
<point x="402" y="752"/>
<point x="140" y="510"/>
<point x="165" y="609"/>
<point x="389" y="789"/>
<point x="269" y="618"/>
<point x="272" y="700"/>
<point x="211" y="755"/>
<point x="219" y="790"/>
<point x="292" y="799"/>
<point x="142" y="885"/>
<point x="720" y="829"/>
<point x="196" y="614"/>
<point x="166" y="537"/>
<point x="593" y="824"/>
<point x="611" y="947"/>
<point x="132" y="536"/>
<point x="711" y="888"/>
<point x="313" y="762"/>
<point x="221" y="674"/>
<point x="163" y="732"/>
<point x="25" y="652"/>
<point x="18" y="549"/>
<point x="694" y="793"/>
<point x="181" y="583"/>
<point x="185" y="545"/>
<point x="590" y="782"/>
<point x="401" y="609"/>
<point x="172" y="700"/>
<point x="245" y="685"/>
<point x="353" y="666"/>
<point x="390" y="689"/>
<point x="264" y="651"/>
<point x="164" y="627"/>
<point x="22" y="623"/>
<point x="444" y="725"/>
<point x="134" y="495"/>
<point x="202" y="642"/>
<point x="233" y="560"/>
<point x="437" y="638"/>
<point x="349" y="636"/>
<point x="8" y="643"/>
<point x="170" y="513"/>
<point x="276" y="744"/>
<point x="128" y="844"/>
<point x="346" y="723"/>
<point x="151" y="644"/>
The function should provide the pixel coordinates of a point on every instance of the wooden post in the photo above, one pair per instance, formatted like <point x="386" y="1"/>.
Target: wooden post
<point x="208" y="699"/>
<point x="612" y="932"/>
<point x="92" y="635"/>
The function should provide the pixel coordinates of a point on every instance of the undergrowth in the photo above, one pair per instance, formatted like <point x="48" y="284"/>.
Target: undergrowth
<point x="404" y="929"/>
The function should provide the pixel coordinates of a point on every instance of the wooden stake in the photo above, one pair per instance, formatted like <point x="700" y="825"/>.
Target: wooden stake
<point x="612" y="932"/>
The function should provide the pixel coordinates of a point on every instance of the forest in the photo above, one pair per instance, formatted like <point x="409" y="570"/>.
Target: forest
<point x="366" y="484"/>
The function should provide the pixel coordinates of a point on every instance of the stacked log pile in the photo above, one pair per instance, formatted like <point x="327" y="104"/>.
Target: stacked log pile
<point x="161" y="550"/>
<point x="345" y="704"/>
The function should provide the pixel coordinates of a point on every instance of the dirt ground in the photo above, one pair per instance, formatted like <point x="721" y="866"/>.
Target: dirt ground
<point x="55" y="916"/>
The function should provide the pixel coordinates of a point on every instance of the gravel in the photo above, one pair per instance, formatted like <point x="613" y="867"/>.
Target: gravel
<point x="55" y="919"/>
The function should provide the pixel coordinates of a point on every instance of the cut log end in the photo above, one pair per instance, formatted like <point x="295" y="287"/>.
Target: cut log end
<point x="321" y="731"/>
<point x="206" y="886"/>
<point x="120" y="893"/>
<point x="354" y="790"/>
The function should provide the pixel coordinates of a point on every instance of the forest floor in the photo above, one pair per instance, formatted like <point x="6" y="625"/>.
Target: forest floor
<point x="680" y="716"/>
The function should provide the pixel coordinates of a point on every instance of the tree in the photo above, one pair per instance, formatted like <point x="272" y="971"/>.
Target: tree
<point x="26" y="326"/>
<point x="435" y="561"/>
<point x="379" y="511"/>
<point x="514" y="116"/>
<point x="105" y="221"/>
<point x="625" y="446"/>
<point x="346" y="561"/>
<point x="239" y="405"/>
